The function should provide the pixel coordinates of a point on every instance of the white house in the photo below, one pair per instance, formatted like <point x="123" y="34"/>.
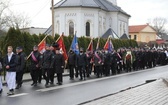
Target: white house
<point x="92" y="18"/>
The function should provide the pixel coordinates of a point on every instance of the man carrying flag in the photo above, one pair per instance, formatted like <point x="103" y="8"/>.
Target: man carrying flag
<point x="74" y="45"/>
<point x="108" y="47"/>
<point x="89" y="56"/>
<point x="75" y="48"/>
<point x="61" y="44"/>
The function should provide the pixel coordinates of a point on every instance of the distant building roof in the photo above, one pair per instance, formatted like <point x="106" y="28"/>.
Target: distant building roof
<point x="124" y="36"/>
<point x="34" y="30"/>
<point x="102" y="4"/>
<point x="137" y="28"/>
<point x="111" y="32"/>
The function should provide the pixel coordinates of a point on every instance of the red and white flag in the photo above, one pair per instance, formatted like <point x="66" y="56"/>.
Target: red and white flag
<point x="90" y="46"/>
<point x="41" y="46"/>
<point x="62" y="47"/>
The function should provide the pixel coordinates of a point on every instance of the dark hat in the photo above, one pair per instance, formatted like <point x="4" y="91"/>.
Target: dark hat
<point x="48" y="45"/>
<point x="55" y="45"/>
<point x="19" y="48"/>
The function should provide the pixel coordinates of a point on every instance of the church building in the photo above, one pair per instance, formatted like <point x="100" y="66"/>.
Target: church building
<point x="90" y="18"/>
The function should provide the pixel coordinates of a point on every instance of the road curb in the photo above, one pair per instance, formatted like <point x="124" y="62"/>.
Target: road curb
<point x="28" y="80"/>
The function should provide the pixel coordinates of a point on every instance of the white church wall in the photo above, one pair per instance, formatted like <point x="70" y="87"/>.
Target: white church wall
<point x="100" y="21"/>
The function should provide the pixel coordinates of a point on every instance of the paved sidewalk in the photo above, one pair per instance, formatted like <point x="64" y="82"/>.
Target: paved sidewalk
<point x="155" y="93"/>
<point x="27" y="77"/>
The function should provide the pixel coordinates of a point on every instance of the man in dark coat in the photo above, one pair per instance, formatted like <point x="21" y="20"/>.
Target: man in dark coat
<point x="82" y="63"/>
<point x="98" y="62"/>
<point x="34" y="66"/>
<point x="10" y="63"/>
<point x="89" y="57"/>
<point x="58" y="65"/>
<point x="20" y="67"/>
<point x="47" y="64"/>
<point x="71" y="63"/>
<point x="1" y="69"/>
<point x="114" y="62"/>
<point x="107" y="63"/>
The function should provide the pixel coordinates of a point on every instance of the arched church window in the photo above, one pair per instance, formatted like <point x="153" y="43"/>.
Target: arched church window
<point x="110" y="22"/>
<point x="57" y="27"/>
<point x="87" y="29"/>
<point x="71" y="28"/>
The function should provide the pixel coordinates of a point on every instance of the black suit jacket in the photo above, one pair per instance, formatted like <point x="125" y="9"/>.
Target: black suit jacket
<point x="12" y="64"/>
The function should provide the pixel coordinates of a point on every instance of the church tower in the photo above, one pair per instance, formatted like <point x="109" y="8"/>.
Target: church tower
<point x="113" y="1"/>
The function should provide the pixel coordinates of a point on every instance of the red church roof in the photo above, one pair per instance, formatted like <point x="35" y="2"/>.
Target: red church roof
<point x="137" y="28"/>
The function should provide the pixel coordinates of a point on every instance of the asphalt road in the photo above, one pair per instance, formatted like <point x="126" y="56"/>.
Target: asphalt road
<point x="76" y="92"/>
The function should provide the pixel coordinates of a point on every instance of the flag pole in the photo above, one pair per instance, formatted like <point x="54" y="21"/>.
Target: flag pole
<point x="98" y="43"/>
<point x="90" y="43"/>
<point x="38" y="45"/>
<point x="107" y="41"/>
<point x="60" y="36"/>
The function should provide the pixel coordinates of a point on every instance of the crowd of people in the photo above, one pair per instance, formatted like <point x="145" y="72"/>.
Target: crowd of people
<point x="83" y="65"/>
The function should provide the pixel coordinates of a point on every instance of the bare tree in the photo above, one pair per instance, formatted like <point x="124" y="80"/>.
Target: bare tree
<point x="4" y="4"/>
<point x="18" y="20"/>
<point x="158" y="24"/>
<point x="9" y="18"/>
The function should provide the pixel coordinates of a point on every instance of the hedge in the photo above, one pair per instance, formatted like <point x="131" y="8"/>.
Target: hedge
<point x="15" y="37"/>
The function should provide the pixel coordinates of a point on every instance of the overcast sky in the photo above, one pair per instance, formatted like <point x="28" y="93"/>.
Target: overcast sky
<point x="140" y="10"/>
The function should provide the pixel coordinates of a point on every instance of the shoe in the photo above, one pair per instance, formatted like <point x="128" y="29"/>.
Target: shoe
<point x="1" y="91"/>
<point x="59" y="83"/>
<point x="71" y="78"/>
<point x="11" y="92"/>
<point x="52" y="83"/>
<point x="32" y="84"/>
<point x="35" y="84"/>
<point x="81" y="79"/>
<point x="18" y="86"/>
<point x="46" y="85"/>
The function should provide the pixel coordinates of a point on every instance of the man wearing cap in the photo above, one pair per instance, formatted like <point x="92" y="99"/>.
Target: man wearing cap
<point x="34" y="66"/>
<point x="53" y="48"/>
<point x="58" y="65"/>
<point x="82" y="64"/>
<point x="20" y="66"/>
<point x="46" y="64"/>
<point x="71" y="63"/>
<point x="98" y="62"/>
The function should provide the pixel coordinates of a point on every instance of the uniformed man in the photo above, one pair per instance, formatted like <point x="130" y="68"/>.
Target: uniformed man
<point x="113" y="65"/>
<point x="82" y="63"/>
<point x="119" y="61"/>
<point x="1" y="69"/>
<point x="46" y="64"/>
<point x="20" y="67"/>
<point x="58" y="65"/>
<point x="53" y="48"/>
<point x="10" y="63"/>
<point x="107" y="63"/>
<point x="89" y="56"/>
<point x="71" y="63"/>
<point x="34" y="66"/>
<point x="98" y="62"/>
